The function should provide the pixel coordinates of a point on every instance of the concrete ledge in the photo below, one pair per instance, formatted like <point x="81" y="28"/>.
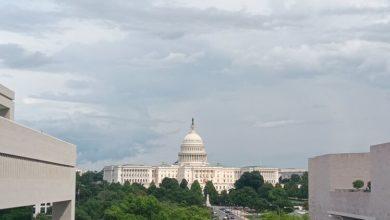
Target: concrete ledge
<point x="21" y="141"/>
<point x="5" y="101"/>
<point x="343" y="214"/>
<point x="4" y="91"/>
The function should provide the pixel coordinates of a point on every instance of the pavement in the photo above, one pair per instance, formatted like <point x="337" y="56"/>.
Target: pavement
<point x="234" y="214"/>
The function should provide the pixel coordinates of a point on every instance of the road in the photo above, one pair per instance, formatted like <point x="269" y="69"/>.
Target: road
<point x="234" y="214"/>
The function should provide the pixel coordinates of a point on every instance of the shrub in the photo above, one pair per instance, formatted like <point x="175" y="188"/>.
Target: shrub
<point x="357" y="184"/>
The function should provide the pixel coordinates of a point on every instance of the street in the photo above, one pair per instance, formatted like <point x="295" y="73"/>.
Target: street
<point x="225" y="212"/>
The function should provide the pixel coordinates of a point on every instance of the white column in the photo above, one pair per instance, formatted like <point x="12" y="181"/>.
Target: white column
<point x="37" y="209"/>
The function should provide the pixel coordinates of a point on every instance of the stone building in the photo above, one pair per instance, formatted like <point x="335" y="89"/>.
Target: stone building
<point x="330" y="185"/>
<point x="192" y="165"/>
<point x="35" y="168"/>
<point x="286" y="173"/>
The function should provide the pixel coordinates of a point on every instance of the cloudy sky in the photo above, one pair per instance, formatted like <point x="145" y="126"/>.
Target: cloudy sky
<point x="269" y="82"/>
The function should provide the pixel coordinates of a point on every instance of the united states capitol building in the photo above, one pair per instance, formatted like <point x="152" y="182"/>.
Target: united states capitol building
<point x="191" y="165"/>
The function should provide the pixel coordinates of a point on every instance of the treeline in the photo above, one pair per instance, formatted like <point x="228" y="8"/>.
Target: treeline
<point x="20" y="213"/>
<point x="96" y="199"/>
<point x="251" y="191"/>
<point x="296" y="186"/>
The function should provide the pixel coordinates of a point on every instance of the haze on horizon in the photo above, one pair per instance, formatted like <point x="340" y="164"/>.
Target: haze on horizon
<point x="268" y="82"/>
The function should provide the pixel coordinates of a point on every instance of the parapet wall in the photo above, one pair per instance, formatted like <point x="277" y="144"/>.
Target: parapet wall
<point x="330" y="172"/>
<point x="350" y="202"/>
<point x="6" y="102"/>
<point x="36" y="168"/>
<point x="18" y="140"/>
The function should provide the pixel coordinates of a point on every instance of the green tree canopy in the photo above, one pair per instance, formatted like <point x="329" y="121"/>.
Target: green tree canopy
<point x="264" y="189"/>
<point x="295" y="178"/>
<point x="195" y="187"/>
<point x="152" y="188"/>
<point x="250" y="179"/>
<point x="133" y="201"/>
<point x="148" y="207"/>
<point x="16" y="213"/>
<point x="223" y="198"/>
<point x="210" y="190"/>
<point x="247" y="197"/>
<point x="304" y="190"/>
<point x="169" y="183"/>
<point x="184" y="184"/>
<point x="279" y="199"/>
<point x="195" y="193"/>
<point x="292" y="189"/>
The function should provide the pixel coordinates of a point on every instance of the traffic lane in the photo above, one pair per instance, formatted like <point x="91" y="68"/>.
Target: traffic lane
<point x="232" y="213"/>
<point x="221" y="214"/>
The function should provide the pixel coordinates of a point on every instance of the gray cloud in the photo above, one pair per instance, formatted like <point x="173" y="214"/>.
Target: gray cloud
<point x="121" y="79"/>
<point x="77" y="84"/>
<point x="102" y="137"/>
<point x="15" y="56"/>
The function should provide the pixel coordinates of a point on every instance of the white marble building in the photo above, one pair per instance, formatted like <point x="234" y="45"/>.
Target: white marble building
<point x="286" y="173"/>
<point x="192" y="165"/>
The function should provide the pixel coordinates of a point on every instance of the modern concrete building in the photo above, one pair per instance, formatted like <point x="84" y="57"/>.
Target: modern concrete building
<point x="6" y="103"/>
<point x="35" y="168"/>
<point x="330" y="185"/>
<point x="192" y="165"/>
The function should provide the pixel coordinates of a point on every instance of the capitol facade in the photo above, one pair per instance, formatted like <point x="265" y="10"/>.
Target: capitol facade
<point x="192" y="165"/>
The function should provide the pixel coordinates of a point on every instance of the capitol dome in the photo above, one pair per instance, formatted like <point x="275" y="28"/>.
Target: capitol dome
<point x="192" y="150"/>
<point x="192" y="137"/>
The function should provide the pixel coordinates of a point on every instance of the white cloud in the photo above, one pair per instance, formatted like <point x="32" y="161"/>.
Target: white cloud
<point x="273" y="124"/>
<point x="121" y="79"/>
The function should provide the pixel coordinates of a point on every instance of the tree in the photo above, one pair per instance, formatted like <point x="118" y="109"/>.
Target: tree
<point x="279" y="199"/>
<point x="103" y="200"/>
<point x="184" y="184"/>
<point x="295" y="178"/>
<point x="223" y="198"/>
<point x="148" y="207"/>
<point x="195" y="187"/>
<point x="169" y="183"/>
<point x="195" y="194"/>
<point x="304" y="190"/>
<point x="152" y="188"/>
<point x="357" y="184"/>
<point x="264" y="189"/>
<point x="210" y="190"/>
<point x="250" y="179"/>
<point x="247" y="197"/>
<point x="281" y="180"/>
<point x="292" y="189"/>
<point x="16" y="213"/>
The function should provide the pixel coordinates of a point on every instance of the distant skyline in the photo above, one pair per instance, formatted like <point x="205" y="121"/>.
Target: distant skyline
<point x="268" y="82"/>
